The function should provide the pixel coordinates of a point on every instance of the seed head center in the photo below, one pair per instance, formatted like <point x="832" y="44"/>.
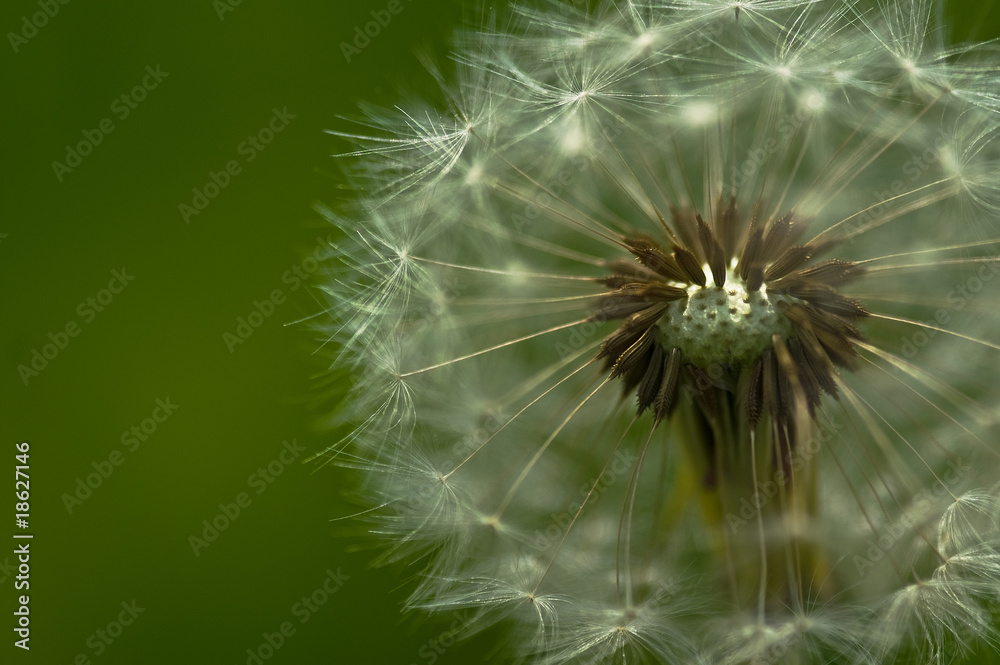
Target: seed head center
<point x="727" y="325"/>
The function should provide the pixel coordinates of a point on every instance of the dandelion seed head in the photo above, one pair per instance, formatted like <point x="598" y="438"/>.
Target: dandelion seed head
<point x="672" y="329"/>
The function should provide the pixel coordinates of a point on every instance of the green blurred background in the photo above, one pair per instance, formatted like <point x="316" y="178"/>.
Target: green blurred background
<point x="226" y="66"/>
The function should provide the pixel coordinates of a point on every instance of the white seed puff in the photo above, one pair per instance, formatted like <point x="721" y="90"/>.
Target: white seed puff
<point x="673" y="329"/>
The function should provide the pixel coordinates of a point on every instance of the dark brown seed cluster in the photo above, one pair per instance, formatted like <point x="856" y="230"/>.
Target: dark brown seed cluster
<point x="764" y="256"/>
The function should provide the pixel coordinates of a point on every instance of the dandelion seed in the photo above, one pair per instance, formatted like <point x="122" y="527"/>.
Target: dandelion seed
<point x="676" y="330"/>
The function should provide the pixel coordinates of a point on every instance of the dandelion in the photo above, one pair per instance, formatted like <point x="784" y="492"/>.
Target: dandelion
<point x="674" y="329"/>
